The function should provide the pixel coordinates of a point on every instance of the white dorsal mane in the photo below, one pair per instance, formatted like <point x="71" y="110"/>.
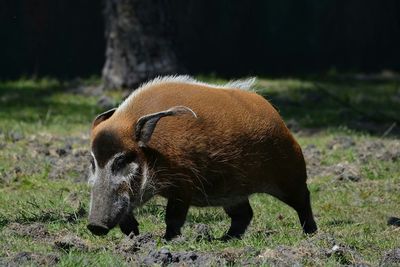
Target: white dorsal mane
<point x="245" y="84"/>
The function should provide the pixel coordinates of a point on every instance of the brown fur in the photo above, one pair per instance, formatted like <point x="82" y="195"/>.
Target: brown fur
<point x="237" y="145"/>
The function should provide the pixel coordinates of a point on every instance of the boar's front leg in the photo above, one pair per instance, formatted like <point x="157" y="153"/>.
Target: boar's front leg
<point x="129" y="224"/>
<point x="175" y="216"/>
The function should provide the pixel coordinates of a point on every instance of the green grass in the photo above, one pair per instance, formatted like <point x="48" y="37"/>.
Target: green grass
<point x="349" y="214"/>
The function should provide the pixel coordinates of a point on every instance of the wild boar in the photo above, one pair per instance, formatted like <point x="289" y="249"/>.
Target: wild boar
<point x="194" y="144"/>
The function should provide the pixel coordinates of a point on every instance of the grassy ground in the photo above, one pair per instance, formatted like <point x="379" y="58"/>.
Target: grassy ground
<point x="349" y="132"/>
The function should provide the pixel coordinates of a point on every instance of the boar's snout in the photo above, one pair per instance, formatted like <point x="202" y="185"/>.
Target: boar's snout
<point x="97" y="229"/>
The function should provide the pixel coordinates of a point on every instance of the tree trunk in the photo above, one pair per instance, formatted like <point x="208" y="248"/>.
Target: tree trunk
<point x="138" y="34"/>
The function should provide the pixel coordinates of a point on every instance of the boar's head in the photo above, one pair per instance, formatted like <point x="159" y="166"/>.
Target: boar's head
<point x="119" y="170"/>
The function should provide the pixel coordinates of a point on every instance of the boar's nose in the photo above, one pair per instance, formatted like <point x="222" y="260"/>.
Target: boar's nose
<point x="98" y="229"/>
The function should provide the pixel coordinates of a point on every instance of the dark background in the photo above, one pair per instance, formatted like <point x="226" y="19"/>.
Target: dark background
<point x="65" y="38"/>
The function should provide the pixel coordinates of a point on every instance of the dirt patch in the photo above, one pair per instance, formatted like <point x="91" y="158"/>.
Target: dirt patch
<point x="281" y="256"/>
<point x="132" y="244"/>
<point x="313" y="157"/>
<point x="141" y="250"/>
<point x="326" y="246"/>
<point x="341" y="142"/>
<point x="64" y="157"/>
<point x="68" y="242"/>
<point x="35" y="230"/>
<point x="313" y="251"/>
<point x="344" y="255"/>
<point x="241" y="256"/>
<point x="391" y="258"/>
<point x="342" y="171"/>
<point x="66" y="161"/>
<point x="388" y="150"/>
<point x="165" y="257"/>
<point x="345" y="172"/>
<point x="366" y="151"/>
<point x="27" y="258"/>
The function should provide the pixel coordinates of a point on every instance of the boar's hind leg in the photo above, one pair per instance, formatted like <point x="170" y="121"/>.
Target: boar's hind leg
<point x="241" y="215"/>
<point x="299" y="199"/>
<point x="128" y="224"/>
<point x="175" y="217"/>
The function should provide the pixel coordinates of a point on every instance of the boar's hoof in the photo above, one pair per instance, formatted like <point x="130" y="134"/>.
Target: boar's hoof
<point x="129" y="229"/>
<point x="98" y="229"/>
<point x="129" y="225"/>
<point x="169" y="235"/>
<point x="309" y="226"/>
<point x="310" y="230"/>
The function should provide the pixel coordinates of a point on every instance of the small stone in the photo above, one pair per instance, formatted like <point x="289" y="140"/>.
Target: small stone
<point x="164" y="251"/>
<point x="335" y="248"/>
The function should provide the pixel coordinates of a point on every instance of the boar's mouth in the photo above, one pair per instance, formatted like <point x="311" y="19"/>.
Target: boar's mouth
<point x="96" y="227"/>
<point x="103" y="218"/>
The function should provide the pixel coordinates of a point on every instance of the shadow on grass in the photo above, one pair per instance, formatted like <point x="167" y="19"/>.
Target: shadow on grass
<point x="309" y="106"/>
<point x="364" y="106"/>
<point x="44" y="102"/>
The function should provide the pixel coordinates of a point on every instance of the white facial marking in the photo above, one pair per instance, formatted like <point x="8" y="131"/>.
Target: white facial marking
<point x="91" y="202"/>
<point x="113" y="179"/>
<point x="93" y="175"/>
<point x="129" y="173"/>
<point x="123" y="175"/>
<point x="145" y="177"/>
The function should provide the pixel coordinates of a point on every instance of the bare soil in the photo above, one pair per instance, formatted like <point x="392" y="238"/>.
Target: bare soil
<point x="65" y="157"/>
<point x="366" y="151"/>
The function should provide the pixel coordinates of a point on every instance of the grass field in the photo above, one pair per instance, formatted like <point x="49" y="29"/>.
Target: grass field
<point x="349" y="132"/>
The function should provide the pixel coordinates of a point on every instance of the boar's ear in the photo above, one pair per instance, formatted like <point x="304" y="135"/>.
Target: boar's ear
<point x="146" y="124"/>
<point x="103" y="116"/>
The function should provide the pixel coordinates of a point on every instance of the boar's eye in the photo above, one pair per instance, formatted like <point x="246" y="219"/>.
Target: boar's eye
<point x="118" y="164"/>
<point x="121" y="161"/>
